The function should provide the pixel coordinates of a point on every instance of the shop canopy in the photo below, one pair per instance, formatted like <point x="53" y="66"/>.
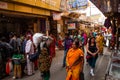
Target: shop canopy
<point x="107" y="6"/>
<point x="73" y="15"/>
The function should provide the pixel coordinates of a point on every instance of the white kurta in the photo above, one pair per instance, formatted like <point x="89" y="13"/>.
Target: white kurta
<point x="29" y="49"/>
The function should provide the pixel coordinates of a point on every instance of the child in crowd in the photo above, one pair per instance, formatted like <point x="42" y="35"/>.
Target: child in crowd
<point x="17" y="57"/>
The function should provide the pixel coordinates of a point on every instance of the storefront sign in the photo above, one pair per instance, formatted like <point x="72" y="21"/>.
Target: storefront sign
<point x="3" y="5"/>
<point x="71" y="26"/>
<point x="56" y="16"/>
<point x="77" y="4"/>
<point x="59" y="28"/>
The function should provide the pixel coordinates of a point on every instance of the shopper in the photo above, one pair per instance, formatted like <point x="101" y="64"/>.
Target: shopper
<point x="13" y="43"/>
<point x="67" y="44"/>
<point x="5" y="54"/>
<point x="74" y="62"/>
<point x="44" y="61"/>
<point x="17" y="57"/>
<point x="29" y="49"/>
<point x="92" y="54"/>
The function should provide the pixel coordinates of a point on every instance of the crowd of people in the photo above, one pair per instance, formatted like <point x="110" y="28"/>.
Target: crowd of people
<point x="20" y="52"/>
<point x="93" y="45"/>
<point x="19" y="49"/>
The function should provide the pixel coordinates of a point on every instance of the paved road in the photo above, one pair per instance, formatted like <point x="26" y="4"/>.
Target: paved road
<point x="59" y="73"/>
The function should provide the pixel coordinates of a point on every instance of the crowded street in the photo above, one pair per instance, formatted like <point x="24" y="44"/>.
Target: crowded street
<point x="59" y="39"/>
<point x="59" y="73"/>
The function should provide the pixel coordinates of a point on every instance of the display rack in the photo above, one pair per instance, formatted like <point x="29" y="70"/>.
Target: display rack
<point x="113" y="69"/>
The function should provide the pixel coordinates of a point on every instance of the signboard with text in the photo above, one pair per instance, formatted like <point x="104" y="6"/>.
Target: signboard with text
<point x="76" y="4"/>
<point x="3" y="5"/>
<point x="56" y="16"/>
<point x="71" y="26"/>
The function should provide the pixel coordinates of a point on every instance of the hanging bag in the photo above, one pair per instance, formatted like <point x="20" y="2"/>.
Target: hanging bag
<point x="35" y="56"/>
<point x="9" y="67"/>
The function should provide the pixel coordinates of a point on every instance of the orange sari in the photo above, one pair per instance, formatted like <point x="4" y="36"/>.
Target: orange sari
<point x="72" y="56"/>
<point x="100" y="40"/>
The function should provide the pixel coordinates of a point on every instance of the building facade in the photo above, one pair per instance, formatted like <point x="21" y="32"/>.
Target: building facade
<point x="23" y="15"/>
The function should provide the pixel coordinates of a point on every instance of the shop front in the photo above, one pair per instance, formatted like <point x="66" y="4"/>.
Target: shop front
<point x="20" y="16"/>
<point x="111" y="9"/>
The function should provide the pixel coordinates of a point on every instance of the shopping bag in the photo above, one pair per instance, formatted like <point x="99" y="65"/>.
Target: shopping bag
<point x="7" y="68"/>
<point x="10" y="65"/>
<point x="34" y="56"/>
<point x="88" y="56"/>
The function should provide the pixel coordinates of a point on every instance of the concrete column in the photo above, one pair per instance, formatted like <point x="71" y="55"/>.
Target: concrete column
<point x="38" y="25"/>
<point x="47" y="27"/>
<point x="35" y="27"/>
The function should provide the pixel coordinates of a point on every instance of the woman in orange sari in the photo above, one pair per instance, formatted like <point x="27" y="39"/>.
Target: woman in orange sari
<point x="74" y="62"/>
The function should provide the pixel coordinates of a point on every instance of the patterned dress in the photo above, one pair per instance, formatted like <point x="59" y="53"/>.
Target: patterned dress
<point x="44" y="60"/>
<point x="44" y="63"/>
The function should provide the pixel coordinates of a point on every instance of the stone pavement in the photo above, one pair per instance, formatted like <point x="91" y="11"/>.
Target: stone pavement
<point x="100" y="69"/>
<point x="59" y="73"/>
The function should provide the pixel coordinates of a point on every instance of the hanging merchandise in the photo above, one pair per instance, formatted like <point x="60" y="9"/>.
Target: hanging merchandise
<point x="107" y="23"/>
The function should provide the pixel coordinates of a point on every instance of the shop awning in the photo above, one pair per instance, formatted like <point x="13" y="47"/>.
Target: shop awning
<point x="73" y="15"/>
<point x="107" y="6"/>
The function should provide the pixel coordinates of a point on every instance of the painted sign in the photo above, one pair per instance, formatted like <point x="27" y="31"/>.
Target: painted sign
<point x="56" y="16"/>
<point x="77" y="4"/>
<point x="3" y="5"/>
<point x="59" y="28"/>
<point x="71" y="26"/>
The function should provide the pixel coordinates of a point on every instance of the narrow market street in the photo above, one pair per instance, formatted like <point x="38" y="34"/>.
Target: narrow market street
<point x="35" y="34"/>
<point x="59" y="73"/>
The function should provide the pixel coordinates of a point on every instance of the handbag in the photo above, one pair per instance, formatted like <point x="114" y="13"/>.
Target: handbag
<point x="34" y="56"/>
<point x="88" y="56"/>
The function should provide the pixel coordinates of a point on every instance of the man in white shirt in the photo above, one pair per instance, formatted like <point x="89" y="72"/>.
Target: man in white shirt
<point x="29" y="49"/>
